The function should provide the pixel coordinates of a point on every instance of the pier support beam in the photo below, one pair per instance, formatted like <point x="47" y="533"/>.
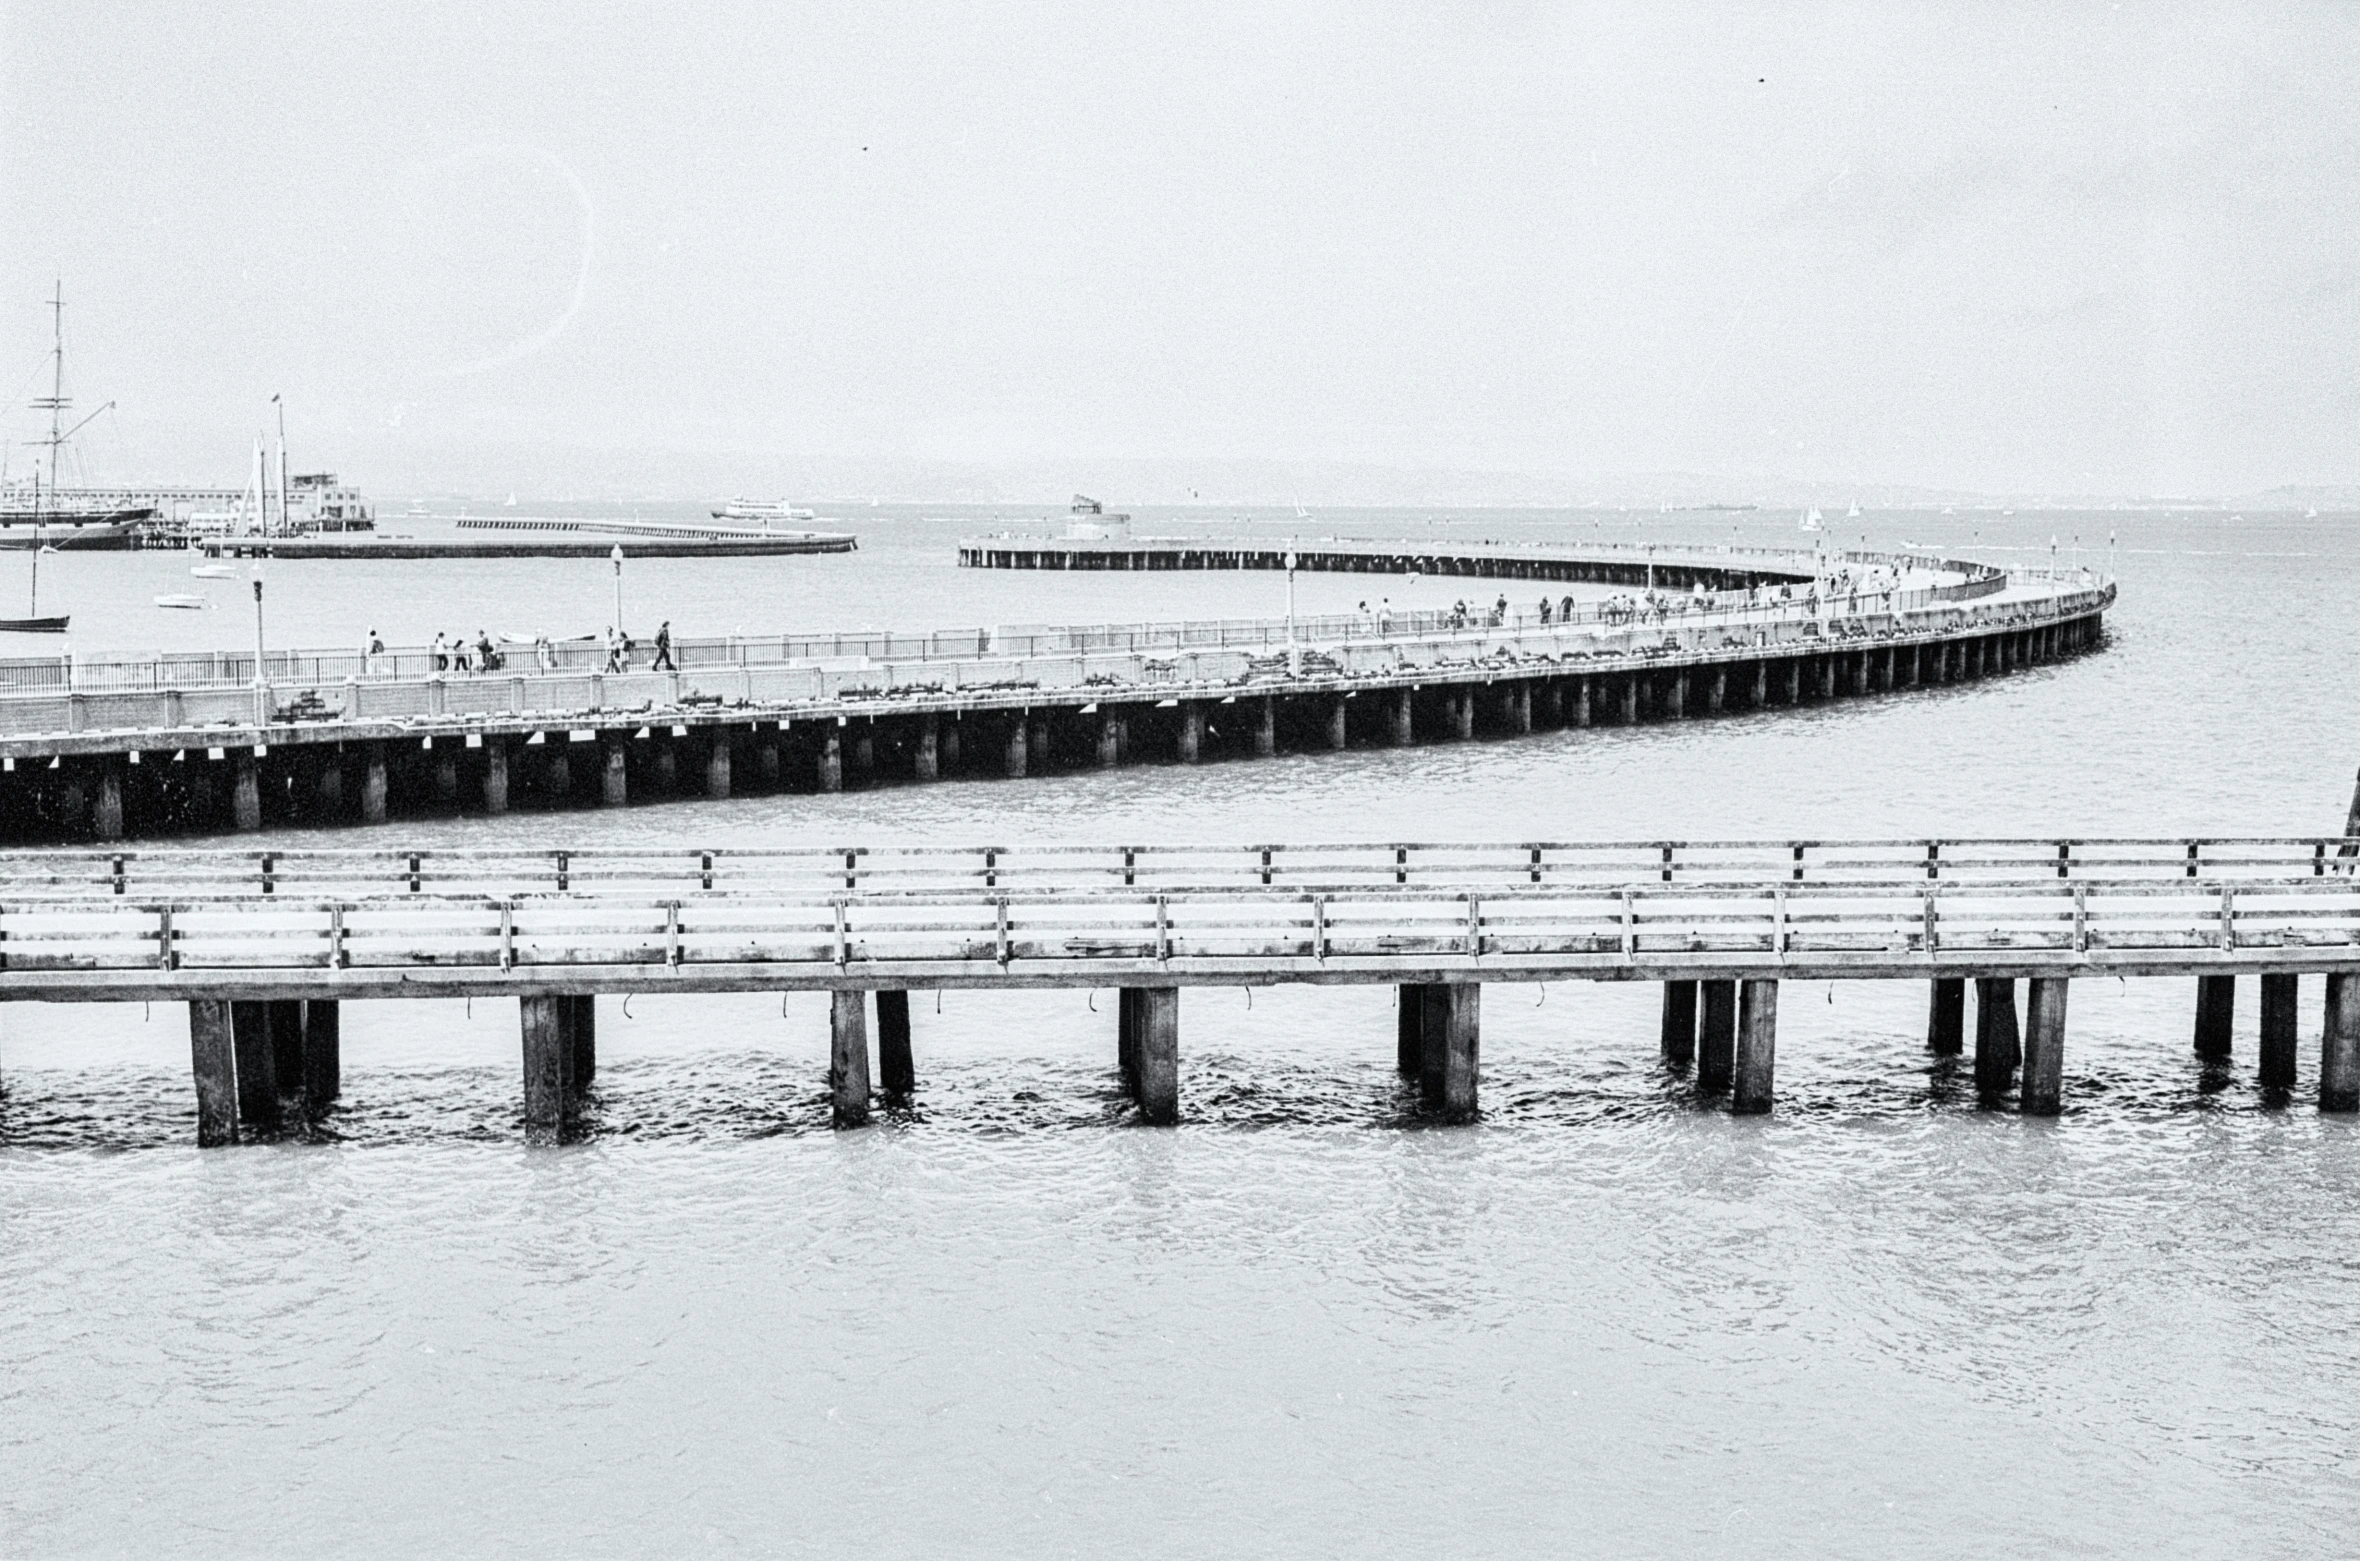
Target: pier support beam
<point x="717" y="764"/>
<point x="848" y="1057"/>
<point x="615" y="778"/>
<point x="951" y="738"/>
<point x="106" y="813"/>
<point x="1520" y="710"/>
<point x="926" y="754"/>
<point x="1110" y="740"/>
<point x="1998" y="1045"/>
<point x="323" y="1054"/>
<point x="373" y="784"/>
<point x="828" y="773"/>
<point x="580" y="1017"/>
<point x="897" y="1071"/>
<point x="287" y="1058"/>
<point x="1192" y="731"/>
<point x="495" y="775"/>
<point x="1754" y="1085"/>
<point x="1409" y="1029"/>
<point x="1337" y="728"/>
<point x="1404" y="722"/>
<point x="212" y="1052"/>
<point x="2216" y="1016"/>
<point x="1452" y="1036"/>
<point x="1462" y="714"/>
<point x="2044" y="1046"/>
<point x="257" y="1065"/>
<point x="1946" y="1016"/>
<point x="548" y="1067"/>
<point x="1266" y="728"/>
<point x="1154" y="1070"/>
<point x="2278" y="1030"/>
<point x="1679" y="1023"/>
<point x="664" y="752"/>
<point x="446" y="773"/>
<point x="2339" y="1046"/>
<point x="1630" y="701"/>
<point x="1018" y="755"/>
<point x="1581" y="702"/>
<point x="246" y="792"/>
<point x="1716" y="1036"/>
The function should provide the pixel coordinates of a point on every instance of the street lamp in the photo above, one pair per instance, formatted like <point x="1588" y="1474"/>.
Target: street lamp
<point x="1294" y="652"/>
<point x="261" y="677"/>
<point x="617" y="556"/>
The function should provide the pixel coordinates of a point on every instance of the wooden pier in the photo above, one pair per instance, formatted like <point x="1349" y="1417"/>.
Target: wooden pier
<point x="264" y="946"/>
<point x="109" y="749"/>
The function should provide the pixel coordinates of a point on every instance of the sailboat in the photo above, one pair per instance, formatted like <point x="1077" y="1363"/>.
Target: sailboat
<point x="1854" y="512"/>
<point x="36" y="624"/>
<point x="1811" y="519"/>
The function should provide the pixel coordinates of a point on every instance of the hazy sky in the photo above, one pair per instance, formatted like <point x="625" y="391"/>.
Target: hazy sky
<point x="2014" y="248"/>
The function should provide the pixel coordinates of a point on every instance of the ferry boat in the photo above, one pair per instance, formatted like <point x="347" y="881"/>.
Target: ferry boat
<point x="764" y="510"/>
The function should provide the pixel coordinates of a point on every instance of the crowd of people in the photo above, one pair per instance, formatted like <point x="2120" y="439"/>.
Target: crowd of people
<point x="456" y="653"/>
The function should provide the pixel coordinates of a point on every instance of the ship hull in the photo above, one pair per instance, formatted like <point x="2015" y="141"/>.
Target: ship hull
<point x="73" y="530"/>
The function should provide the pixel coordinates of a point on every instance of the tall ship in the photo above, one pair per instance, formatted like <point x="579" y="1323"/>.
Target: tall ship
<point x="34" y="516"/>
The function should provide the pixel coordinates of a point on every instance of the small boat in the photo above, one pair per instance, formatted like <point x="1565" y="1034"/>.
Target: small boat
<point x="214" y="572"/>
<point x="510" y="501"/>
<point x="191" y="599"/>
<point x="33" y="625"/>
<point x="762" y="510"/>
<point x="1811" y="519"/>
<point x="1854" y="512"/>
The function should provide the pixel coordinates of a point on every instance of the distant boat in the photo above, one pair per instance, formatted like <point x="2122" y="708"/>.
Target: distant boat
<point x="1854" y="512"/>
<point x="2310" y="514"/>
<point x="190" y="599"/>
<point x="763" y="510"/>
<point x="214" y="572"/>
<point x="33" y="625"/>
<point x="510" y="501"/>
<point x="1811" y="519"/>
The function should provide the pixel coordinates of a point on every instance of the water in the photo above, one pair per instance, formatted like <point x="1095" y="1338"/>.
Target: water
<point x="1602" y="1321"/>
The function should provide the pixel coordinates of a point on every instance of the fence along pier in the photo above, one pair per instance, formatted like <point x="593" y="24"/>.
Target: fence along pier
<point x="264" y="947"/>
<point x="93" y="748"/>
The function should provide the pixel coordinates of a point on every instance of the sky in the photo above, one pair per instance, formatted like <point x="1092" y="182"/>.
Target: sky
<point x="612" y="249"/>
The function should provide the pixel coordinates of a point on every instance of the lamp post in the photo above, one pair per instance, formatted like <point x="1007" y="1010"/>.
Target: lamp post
<point x="617" y="556"/>
<point x="1294" y="652"/>
<point x="261" y="676"/>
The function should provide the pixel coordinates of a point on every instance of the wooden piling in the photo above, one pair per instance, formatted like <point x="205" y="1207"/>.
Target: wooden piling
<point x="2279" y="993"/>
<point x="1676" y="695"/>
<point x="896" y="1069"/>
<point x="1630" y="701"/>
<point x="1998" y="1045"/>
<point x="717" y="764"/>
<point x="926" y="752"/>
<point x="1581" y="702"/>
<point x="1716" y="1027"/>
<point x="1679" y="1023"/>
<point x="557" y="778"/>
<point x="1794" y="680"/>
<point x="1110" y="749"/>
<point x="2044" y="1046"/>
<point x="1156" y="1054"/>
<point x="1716" y="691"/>
<point x="1760" y="698"/>
<point x="257" y="1065"/>
<point x="1462" y="714"/>
<point x="1520" y="709"/>
<point x="1451" y="1036"/>
<point x="766" y="754"/>
<point x="287" y="1054"/>
<point x="495" y="775"/>
<point x="1716" y="1056"/>
<point x="580" y="1014"/>
<point x="541" y="1026"/>
<point x="1017" y="755"/>
<point x="2339" y="1045"/>
<point x="1404" y="721"/>
<point x="246" y="793"/>
<point x="1409" y="1029"/>
<point x="1126" y="1038"/>
<point x="106" y="813"/>
<point x="446" y="773"/>
<point x="323" y="1054"/>
<point x="1192" y="731"/>
<point x="848" y="1057"/>
<point x="1338" y="726"/>
<point x="212" y="1050"/>
<point x="373" y="783"/>
<point x="2216" y="1016"/>
<point x="951" y="740"/>
<point x="1946" y="1015"/>
<point x="1266" y="728"/>
<point x="614" y="780"/>
<point x="828" y="772"/>
<point x="1754" y="1084"/>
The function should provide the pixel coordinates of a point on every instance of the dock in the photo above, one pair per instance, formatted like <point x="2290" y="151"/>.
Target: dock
<point x="545" y="539"/>
<point x="107" y="749"/>
<point x="264" y="946"/>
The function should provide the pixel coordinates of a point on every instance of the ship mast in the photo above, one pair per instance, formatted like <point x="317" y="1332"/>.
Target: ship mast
<point x="55" y="404"/>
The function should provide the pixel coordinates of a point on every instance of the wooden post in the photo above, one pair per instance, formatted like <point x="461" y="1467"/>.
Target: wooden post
<point x="1192" y="731"/>
<point x="1946" y="1016"/>
<point x="495" y="775"/>
<point x="1404" y="725"/>
<point x="895" y="1067"/>
<point x="323" y="1054"/>
<point x="1716" y="1026"/>
<point x="246" y="798"/>
<point x="1757" y="1047"/>
<point x="1761" y="695"/>
<point x="446" y="773"/>
<point x="2278" y="1030"/>
<point x="1409" y="1029"/>
<point x="766" y="755"/>
<point x="717" y="763"/>
<point x="1462" y="714"/>
<point x="1520" y="711"/>
<point x="1017" y="755"/>
<point x="2339" y="1046"/>
<point x="1630" y="701"/>
<point x="213" y="1057"/>
<point x="831" y="760"/>
<point x="1451" y="1027"/>
<point x="1110" y="748"/>
<point x="558" y="770"/>
<point x="257" y="1065"/>
<point x="950" y="747"/>
<point x="1679" y="1023"/>
<point x="864" y="751"/>
<point x="1794" y="680"/>
<point x="2216" y="1016"/>
<point x="286" y="1053"/>
<point x="848" y="1057"/>
<point x="615" y="783"/>
<point x="1716" y="692"/>
<point x="541" y="1024"/>
<point x="1581" y="702"/>
<point x="373" y="784"/>
<point x="1266" y="729"/>
<point x="106" y="814"/>
<point x="1126" y="1038"/>
<point x="926" y="760"/>
<point x="1156" y="1054"/>
<point x="1676" y="697"/>
<point x="667" y="763"/>
<point x="580" y="1014"/>
<point x="1336" y="728"/>
<point x="1998" y="1047"/>
<point x="2044" y="1046"/>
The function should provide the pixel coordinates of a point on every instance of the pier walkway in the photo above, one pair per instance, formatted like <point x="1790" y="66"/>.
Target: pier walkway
<point x="107" y="748"/>
<point x="263" y="946"/>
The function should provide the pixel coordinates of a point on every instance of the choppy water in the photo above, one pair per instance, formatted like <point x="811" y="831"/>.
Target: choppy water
<point x="1604" y="1320"/>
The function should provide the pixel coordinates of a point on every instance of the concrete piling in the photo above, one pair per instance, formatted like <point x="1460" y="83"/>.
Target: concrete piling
<point x="212" y="1050"/>
<point x="1946" y="1016"/>
<point x="2044" y="1046"/>
<point x="2279" y="994"/>
<point x="2339" y="1046"/>
<point x="1155" y="1057"/>
<point x="897" y="1071"/>
<point x="1754" y="1083"/>
<point x="1679" y="1023"/>
<point x="1998" y="1044"/>
<point x="848" y="1057"/>
<point x="1451" y="1026"/>
<point x="2216" y="1016"/>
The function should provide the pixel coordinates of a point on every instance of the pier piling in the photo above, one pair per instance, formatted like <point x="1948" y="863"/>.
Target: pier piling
<point x="213" y="1058"/>
<point x="246" y="792"/>
<point x="2044" y="1046"/>
<point x="717" y="765"/>
<point x="1404" y="722"/>
<point x="1451" y="1027"/>
<point x="926" y="757"/>
<point x="547" y="1099"/>
<point x="580" y="1015"/>
<point x="848" y="1057"/>
<point x="1155" y="1054"/>
<point x="615" y="779"/>
<point x="2339" y="1045"/>
<point x="1716" y="1031"/>
<point x="1409" y="1029"/>
<point x="495" y="775"/>
<point x="1998" y="1043"/>
<point x="1679" y="1023"/>
<point x="323" y="1054"/>
<point x="896" y="1069"/>
<point x="2279" y="993"/>
<point x="1017" y="757"/>
<point x="1192" y="731"/>
<point x="1946" y="1016"/>
<point x="1755" y="1079"/>
<point x="257" y="1065"/>
<point x="2216" y="1016"/>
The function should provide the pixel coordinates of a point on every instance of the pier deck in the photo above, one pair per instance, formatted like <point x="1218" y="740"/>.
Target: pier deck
<point x="232" y="931"/>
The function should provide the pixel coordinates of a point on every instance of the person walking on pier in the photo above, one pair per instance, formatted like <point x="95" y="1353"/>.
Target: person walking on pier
<point x="663" y="661"/>
<point x="614" y="649"/>
<point x="439" y="654"/>
<point x="372" y="649"/>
